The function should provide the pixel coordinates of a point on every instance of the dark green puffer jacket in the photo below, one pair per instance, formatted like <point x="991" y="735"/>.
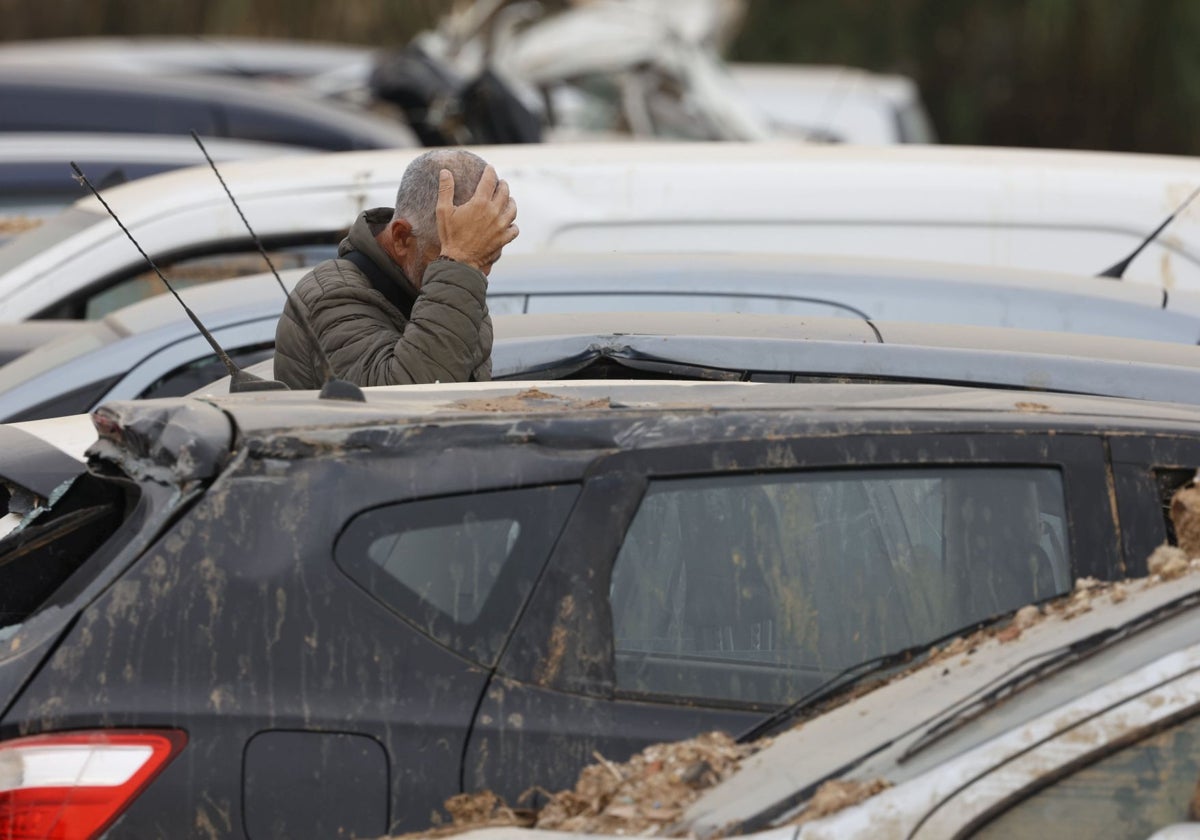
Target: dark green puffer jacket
<point x="368" y="340"/>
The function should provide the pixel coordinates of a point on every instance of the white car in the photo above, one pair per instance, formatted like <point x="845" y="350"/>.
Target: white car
<point x="836" y="104"/>
<point x="1074" y="212"/>
<point x="36" y="180"/>
<point x="1077" y="721"/>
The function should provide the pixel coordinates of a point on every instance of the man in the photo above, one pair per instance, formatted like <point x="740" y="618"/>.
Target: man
<point x="404" y="302"/>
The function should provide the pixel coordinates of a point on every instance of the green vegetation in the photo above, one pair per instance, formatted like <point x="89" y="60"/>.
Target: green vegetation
<point x="1100" y="74"/>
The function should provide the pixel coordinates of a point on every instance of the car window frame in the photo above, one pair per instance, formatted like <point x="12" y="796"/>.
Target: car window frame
<point x="74" y="305"/>
<point x="503" y="585"/>
<point x="1139" y="497"/>
<point x="614" y="491"/>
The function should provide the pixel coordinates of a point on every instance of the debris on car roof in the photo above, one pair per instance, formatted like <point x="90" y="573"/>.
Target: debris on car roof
<point x="645" y="795"/>
<point x="1185" y="517"/>
<point x="649" y="794"/>
<point x="531" y="399"/>
<point x="837" y="795"/>
<point x="12" y="225"/>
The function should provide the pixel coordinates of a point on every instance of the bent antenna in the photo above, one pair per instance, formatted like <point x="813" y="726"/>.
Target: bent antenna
<point x="240" y="380"/>
<point x="1118" y="270"/>
<point x="333" y="388"/>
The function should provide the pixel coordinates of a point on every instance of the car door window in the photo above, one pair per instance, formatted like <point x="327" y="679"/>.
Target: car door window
<point x="460" y="567"/>
<point x="1130" y="793"/>
<point x="205" y="268"/>
<point x="755" y="588"/>
<point x="200" y="372"/>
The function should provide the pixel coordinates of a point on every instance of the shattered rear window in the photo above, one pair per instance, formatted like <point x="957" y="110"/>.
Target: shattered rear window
<point x="54" y="540"/>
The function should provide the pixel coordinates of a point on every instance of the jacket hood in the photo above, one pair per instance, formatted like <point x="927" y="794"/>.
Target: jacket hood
<point x="362" y="239"/>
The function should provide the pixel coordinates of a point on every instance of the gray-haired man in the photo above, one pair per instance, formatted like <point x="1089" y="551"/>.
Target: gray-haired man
<point x="405" y="302"/>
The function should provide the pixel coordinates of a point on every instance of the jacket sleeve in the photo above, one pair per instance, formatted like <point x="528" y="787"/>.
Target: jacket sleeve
<point x="443" y="341"/>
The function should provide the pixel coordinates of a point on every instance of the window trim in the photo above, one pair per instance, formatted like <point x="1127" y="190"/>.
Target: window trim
<point x="502" y="588"/>
<point x="1134" y="463"/>
<point x="74" y="305"/>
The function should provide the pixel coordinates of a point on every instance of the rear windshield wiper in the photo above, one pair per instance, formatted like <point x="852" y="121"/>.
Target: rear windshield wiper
<point x="843" y="680"/>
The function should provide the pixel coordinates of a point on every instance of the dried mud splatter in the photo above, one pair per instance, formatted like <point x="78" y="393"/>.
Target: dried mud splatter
<point x="837" y="795"/>
<point x="646" y="795"/>
<point x="532" y="400"/>
<point x="12" y="225"/>
<point x="649" y="794"/>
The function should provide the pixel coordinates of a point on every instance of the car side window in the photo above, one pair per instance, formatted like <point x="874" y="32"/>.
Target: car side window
<point x="459" y="568"/>
<point x="1131" y="793"/>
<point x="200" y="372"/>
<point x="756" y="588"/>
<point x="192" y="271"/>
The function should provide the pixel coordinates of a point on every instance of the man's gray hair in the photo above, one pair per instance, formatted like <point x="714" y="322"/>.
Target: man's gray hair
<point x="416" y="200"/>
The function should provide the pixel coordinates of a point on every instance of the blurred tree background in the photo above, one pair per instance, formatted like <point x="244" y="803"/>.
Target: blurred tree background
<point x="1122" y="75"/>
<point x="1097" y="74"/>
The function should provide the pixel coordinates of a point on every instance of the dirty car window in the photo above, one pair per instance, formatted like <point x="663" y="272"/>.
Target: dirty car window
<point x="459" y="568"/>
<point x="757" y="588"/>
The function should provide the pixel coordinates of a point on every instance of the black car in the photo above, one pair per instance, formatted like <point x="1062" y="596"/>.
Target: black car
<point x="276" y="616"/>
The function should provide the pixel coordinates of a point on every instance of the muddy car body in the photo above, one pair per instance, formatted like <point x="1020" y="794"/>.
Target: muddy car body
<point x="267" y="578"/>
<point x="1074" y="212"/>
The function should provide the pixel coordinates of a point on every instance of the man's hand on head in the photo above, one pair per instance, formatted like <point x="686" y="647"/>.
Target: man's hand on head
<point x="475" y="232"/>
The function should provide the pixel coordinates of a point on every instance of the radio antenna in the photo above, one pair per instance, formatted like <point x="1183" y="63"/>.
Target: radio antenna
<point x="333" y="388"/>
<point x="240" y="380"/>
<point x="1118" y="270"/>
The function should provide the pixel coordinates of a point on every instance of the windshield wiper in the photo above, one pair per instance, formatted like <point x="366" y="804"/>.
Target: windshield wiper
<point x="843" y="680"/>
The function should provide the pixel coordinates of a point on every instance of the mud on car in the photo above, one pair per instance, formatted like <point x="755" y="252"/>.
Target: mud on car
<point x="264" y="616"/>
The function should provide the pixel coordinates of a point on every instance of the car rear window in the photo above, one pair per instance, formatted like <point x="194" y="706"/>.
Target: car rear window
<point x="757" y="588"/>
<point x="56" y="538"/>
<point x="459" y="568"/>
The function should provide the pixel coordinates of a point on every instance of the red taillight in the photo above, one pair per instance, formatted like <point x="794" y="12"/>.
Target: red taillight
<point x="72" y="785"/>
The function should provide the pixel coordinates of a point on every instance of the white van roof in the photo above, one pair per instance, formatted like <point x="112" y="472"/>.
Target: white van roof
<point x="1077" y="212"/>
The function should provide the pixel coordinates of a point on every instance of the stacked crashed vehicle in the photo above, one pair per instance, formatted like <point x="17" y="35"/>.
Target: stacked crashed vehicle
<point x="787" y="317"/>
<point x="240" y="620"/>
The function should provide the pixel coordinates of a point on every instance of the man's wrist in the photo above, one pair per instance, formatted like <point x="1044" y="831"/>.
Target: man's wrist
<point x="458" y="258"/>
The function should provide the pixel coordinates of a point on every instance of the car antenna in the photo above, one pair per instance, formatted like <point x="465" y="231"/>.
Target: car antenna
<point x="333" y="388"/>
<point x="240" y="380"/>
<point x="1118" y="270"/>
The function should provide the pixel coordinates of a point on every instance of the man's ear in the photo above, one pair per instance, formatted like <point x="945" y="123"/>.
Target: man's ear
<point x="398" y="239"/>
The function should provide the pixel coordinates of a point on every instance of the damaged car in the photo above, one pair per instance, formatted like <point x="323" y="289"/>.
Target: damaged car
<point x="1076" y="717"/>
<point x="242" y="617"/>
